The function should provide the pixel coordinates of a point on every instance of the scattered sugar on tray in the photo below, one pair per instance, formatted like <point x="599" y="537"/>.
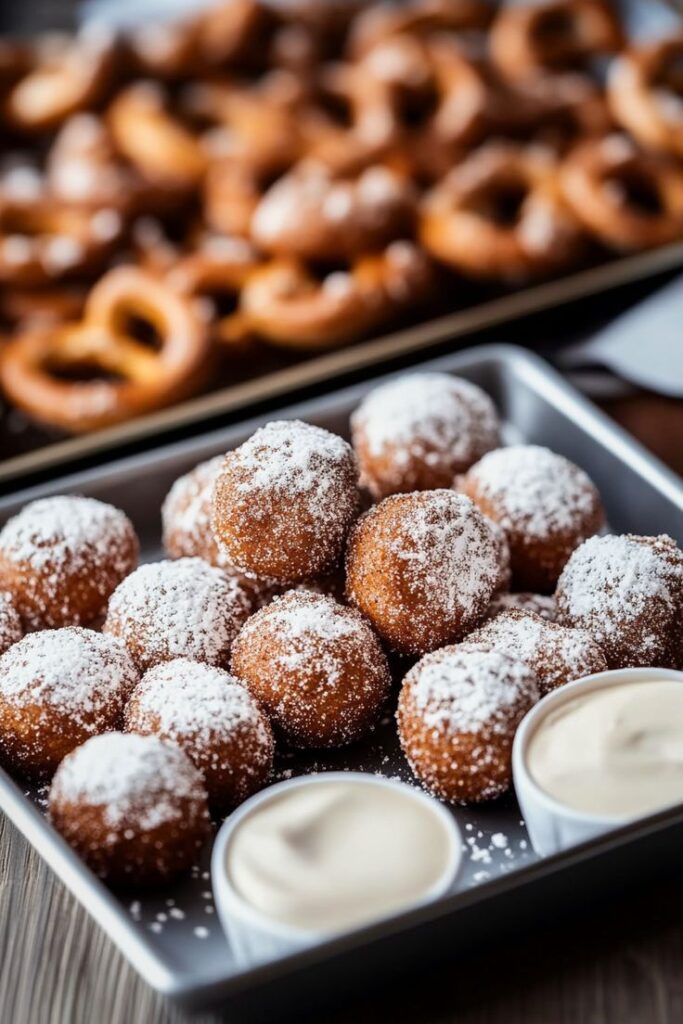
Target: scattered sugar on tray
<point x="130" y="777"/>
<point x="201" y="932"/>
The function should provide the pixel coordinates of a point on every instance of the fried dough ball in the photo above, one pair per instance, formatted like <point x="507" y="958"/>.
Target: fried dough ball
<point x="546" y="505"/>
<point x="62" y="557"/>
<point x="284" y="501"/>
<point x="181" y="609"/>
<point x="133" y="807"/>
<point x="540" y="604"/>
<point x="556" y="654"/>
<point x="423" y="568"/>
<point x="315" y="666"/>
<point x="214" y="719"/>
<point x="58" y="687"/>
<point x="419" y="431"/>
<point x="187" y="533"/>
<point x="458" y="712"/>
<point x="627" y="592"/>
<point x="11" y="630"/>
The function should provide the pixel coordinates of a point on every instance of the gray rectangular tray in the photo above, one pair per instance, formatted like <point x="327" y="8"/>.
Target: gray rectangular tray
<point x="173" y="937"/>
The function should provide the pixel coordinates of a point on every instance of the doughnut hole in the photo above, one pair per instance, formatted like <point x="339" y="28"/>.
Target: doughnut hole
<point x="315" y="666"/>
<point x="62" y="557"/>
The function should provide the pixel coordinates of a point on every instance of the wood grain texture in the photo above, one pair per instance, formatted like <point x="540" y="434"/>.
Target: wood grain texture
<point x="615" y="965"/>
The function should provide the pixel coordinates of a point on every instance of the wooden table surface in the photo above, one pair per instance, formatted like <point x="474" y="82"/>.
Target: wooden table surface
<point x="617" y="965"/>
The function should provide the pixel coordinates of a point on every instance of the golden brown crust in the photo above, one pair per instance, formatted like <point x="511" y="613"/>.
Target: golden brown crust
<point x="423" y="568"/>
<point x="134" y="808"/>
<point x="284" y="502"/>
<point x="315" y="666"/>
<point x="61" y="559"/>
<point x="458" y="712"/>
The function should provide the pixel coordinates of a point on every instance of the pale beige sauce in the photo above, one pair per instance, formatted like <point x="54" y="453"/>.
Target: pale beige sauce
<point x="331" y="856"/>
<point x="617" y="751"/>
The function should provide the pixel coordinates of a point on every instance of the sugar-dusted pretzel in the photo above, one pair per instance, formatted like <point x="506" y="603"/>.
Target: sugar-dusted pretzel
<point x="645" y="89"/>
<point x="255" y="137"/>
<point x="84" y="171"/>
<point x="90" y="374"/>
<point x="290" y="306"/>
<point x="528" y="39"/>
<point x="352" y="122"/>
<point x="440" y="97"/>
<point x="213" y="275"/>
<point x="500" y="215"/>
<point x="155" y="141"/>
<point x="66" y="75"/>
<point x="628" y="198"/>
<point x="416" y="18"/>
<point x="42" y="242"/>
<point x="570" y="107"/>
<point x="314" y="215"/>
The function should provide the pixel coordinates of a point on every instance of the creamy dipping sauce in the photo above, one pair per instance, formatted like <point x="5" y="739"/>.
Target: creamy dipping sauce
<point x="334" y="855"/>
<point x="616" y="751"/>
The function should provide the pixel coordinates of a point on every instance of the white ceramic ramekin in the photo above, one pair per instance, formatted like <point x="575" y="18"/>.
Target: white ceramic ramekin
<point x="253" y="935"/>
<point x="553" y="826"/>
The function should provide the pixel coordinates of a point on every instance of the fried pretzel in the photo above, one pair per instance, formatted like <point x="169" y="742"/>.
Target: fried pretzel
<point x="87" y="375"/>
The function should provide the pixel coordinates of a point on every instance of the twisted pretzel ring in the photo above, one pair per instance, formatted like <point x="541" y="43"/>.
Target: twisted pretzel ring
<point x="629" y="199"/>
<point x="500" y="215"/>
<point x="558" y="35"/>
<point x="66" y="75"/>
<point x="289" y="306"/>
<point x="314" y="216"/>
<point x="645" y="90"/>
<point x="130" y="377"/>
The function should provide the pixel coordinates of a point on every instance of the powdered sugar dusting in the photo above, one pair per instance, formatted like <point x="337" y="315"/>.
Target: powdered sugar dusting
<point x="199" y="706"/>
<point x="535" y="489"/>
<point x="185" y="608"/>
<point x="540" y="604"/>
<point x="138" y="781"/>
<point x="464" y="690"/>
<point x="315" y="665"/>
<point x="556" y="654"/>
<point x="66" y="529"/>
<point x="285" y="499"/>
<point x="433" y="417"/>
<point x="627" y="591"/>
<point x="80" y="673"/>
<point x="288" y="455"/>
<point x="10" y="624"/>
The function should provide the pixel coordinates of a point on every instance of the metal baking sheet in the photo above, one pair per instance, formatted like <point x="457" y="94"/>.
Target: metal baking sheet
<point x="27" y="448"/>
<point x="173" y="938"/>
